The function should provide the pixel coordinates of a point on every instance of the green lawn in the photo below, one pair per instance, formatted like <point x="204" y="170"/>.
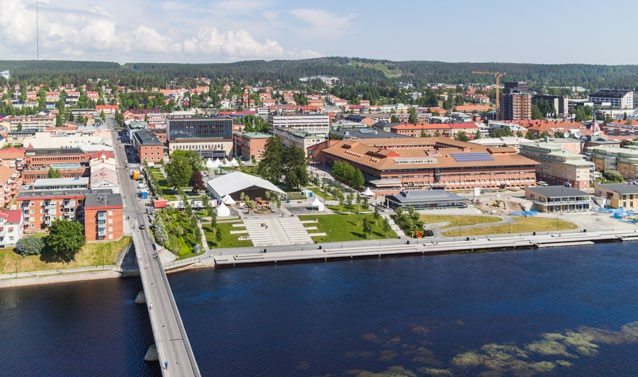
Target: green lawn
<point x="521" y="225"/>
<point x="322" y="194"/>
<point x="228" y="240"/>
<point x="455" y="221"/>
<point x="344" y="227"/>
<point x="92" y="254"/>
<point x="354" y="209"/>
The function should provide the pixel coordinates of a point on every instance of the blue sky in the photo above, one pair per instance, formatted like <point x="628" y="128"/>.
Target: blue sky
<point x="540" y="31"/>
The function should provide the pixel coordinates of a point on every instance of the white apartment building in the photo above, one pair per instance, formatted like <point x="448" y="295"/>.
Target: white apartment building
<point x="623" y="99"/>
<point x="301" y="139"/>
<point x="316" y="124"/>
<point x="11" y="222"/>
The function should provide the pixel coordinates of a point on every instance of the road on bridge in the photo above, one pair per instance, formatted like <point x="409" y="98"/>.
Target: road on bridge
<point x="175" y="354"/>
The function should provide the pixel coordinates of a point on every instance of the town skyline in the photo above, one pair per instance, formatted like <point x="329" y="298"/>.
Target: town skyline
<point x="225" y="31"/>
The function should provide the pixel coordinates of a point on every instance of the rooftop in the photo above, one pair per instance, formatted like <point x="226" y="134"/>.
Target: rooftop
<point x="421" y="196"/>
<point x="102" y="199"/>
<point x="56" y="182"/>
<point x="557" y="191"/>
<point x="622" y="188"/>
<point x="146" y="137"/>
<point x="254" y="135"/>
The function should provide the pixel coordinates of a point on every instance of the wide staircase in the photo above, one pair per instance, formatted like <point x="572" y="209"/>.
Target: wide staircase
<point x="277" y="231"/>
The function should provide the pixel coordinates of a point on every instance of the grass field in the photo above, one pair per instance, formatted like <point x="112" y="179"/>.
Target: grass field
<point x="459" y="220"/>
<point x="520" y="225"/>
<point x="322" y="194"/>
<point x="345" y="227"/>
<point x="92" y="254"/>
<point x="228" y="240"/>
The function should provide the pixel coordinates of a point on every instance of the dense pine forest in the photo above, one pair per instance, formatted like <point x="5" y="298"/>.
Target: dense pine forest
<point x="286" y="73"/>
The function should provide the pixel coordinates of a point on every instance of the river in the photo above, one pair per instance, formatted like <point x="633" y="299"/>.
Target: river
<point x="552" y="312"/>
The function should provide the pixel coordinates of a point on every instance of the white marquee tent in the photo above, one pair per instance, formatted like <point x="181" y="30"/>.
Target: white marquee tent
<point x="317" y="204"/>
<point x="222" y="210"/>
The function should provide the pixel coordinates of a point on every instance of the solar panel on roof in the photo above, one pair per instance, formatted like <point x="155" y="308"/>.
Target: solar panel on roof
<point x="472" y="157"/>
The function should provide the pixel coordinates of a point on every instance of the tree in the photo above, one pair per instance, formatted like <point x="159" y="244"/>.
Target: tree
<point x="271" y="165"/>
<point x="197" y="182"/>
<point x="65" y="239"/>
<point x="394" y="119"/>
<point x="30" y="245"/>
<point x="477" y="135"/>
<point x="536" y="112"/>
<point x="412" y="118"/>
<point x="367" y="227"/>
<point x="218" y="236"/>
<point x="461" y="136"/>
<point x="386" y="226"/>
<point x="295" y="167"/>
<point x="179" y="171"/>
<point x="613" y="176"/>
<point x="54" y="173"/>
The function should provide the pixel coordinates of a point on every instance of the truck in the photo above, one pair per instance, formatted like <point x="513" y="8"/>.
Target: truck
<point x="135" y="174"/>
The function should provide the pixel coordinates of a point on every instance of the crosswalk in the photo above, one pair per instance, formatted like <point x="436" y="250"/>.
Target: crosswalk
<point x="277" y="231"/>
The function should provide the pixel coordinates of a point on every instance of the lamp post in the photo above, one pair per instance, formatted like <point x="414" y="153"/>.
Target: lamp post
<point x="16" y="269"/>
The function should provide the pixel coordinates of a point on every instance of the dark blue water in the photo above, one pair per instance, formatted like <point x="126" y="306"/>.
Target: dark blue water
<point x="554" y="312"/>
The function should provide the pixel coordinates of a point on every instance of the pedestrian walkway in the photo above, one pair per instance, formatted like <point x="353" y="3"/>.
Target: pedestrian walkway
<point x="269" y="231"/>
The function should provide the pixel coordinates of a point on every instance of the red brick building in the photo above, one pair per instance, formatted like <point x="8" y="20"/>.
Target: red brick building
<point x="103" y="217"/>
<point x="148" y="146"/>
<point x="250" y="145"/>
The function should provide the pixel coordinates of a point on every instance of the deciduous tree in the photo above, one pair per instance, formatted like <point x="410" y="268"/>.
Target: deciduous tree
<point x="65" y="239"/>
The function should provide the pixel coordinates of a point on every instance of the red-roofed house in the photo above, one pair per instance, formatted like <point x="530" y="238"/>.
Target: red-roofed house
<point x="108" y="109"/>
<point x="10" y="227"/>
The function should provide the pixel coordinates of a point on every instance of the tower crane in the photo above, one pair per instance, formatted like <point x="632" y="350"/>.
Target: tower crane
<point x="497" y="76"/>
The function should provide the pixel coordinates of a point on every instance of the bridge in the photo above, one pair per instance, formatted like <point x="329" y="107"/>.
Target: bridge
<point x="174" y="351"/>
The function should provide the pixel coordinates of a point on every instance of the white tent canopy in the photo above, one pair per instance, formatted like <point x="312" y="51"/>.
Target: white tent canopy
<point x="317" y="204"/>
<point x="222" y="210"/>
<point x="210" y="164"/>
<point x="227" y="199"/>
<point x="216" y="163"/>
<point x="368" y="192"/>
<point x="236" y="182"/>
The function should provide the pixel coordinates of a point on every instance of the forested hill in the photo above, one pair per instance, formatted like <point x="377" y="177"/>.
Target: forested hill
<point x="349" y="70"/>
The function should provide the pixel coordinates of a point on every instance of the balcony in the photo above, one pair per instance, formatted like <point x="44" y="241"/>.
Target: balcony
<point x="101" y="215"/>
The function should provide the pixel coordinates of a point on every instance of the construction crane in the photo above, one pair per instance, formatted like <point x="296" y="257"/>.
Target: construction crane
<point x="497" y="76"/>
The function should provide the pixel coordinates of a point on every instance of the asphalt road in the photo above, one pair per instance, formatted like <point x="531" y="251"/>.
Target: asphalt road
<point x="175" y="354"/>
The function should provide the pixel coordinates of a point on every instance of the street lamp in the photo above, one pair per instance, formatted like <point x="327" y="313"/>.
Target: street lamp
<point x="16" y="269"/>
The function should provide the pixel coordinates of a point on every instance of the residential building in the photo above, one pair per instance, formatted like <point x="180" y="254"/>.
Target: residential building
<point x="103" y="216"/>
<point x="620" y="98"/>
<point x="622" y="160"/>
<point x="41" y="207"/>
<point x="10" y="181"/>
<point x="618" y="195"/>
<point x="442" y="129"/>
<point x="211" y="137"/>
<point x="104" y="178"/>
<point x="316" y="124"/>
<point x="440" y="163"/>
<point x="300" y="139"/>
<point x="555" y="199"/>
<point x="148" y="146"/>
<point x="11" y="231"/>
<point x="250" y="145"/>
<point x="45" y="157"/>
<point x="516" y="101"/>
<point x="559" y="166"/>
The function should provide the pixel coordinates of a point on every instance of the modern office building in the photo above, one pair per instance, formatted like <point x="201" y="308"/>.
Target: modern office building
<point x="436" y="163"/>
<point x="623" y="99"/>
<point x="211" y="137"/>
<point x="316" y="124"/>
<point x="516" y="101"/>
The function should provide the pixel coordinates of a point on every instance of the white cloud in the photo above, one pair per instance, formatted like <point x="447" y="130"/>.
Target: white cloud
<point x="17" y="23"/>
<point x="126" y="31"/>
<point x="322" y="24"/>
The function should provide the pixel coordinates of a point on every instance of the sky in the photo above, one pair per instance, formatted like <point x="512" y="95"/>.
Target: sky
<point x="212" y="31"/>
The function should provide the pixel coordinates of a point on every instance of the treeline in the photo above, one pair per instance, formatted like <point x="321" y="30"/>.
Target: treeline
<point x="351" y="71"/>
